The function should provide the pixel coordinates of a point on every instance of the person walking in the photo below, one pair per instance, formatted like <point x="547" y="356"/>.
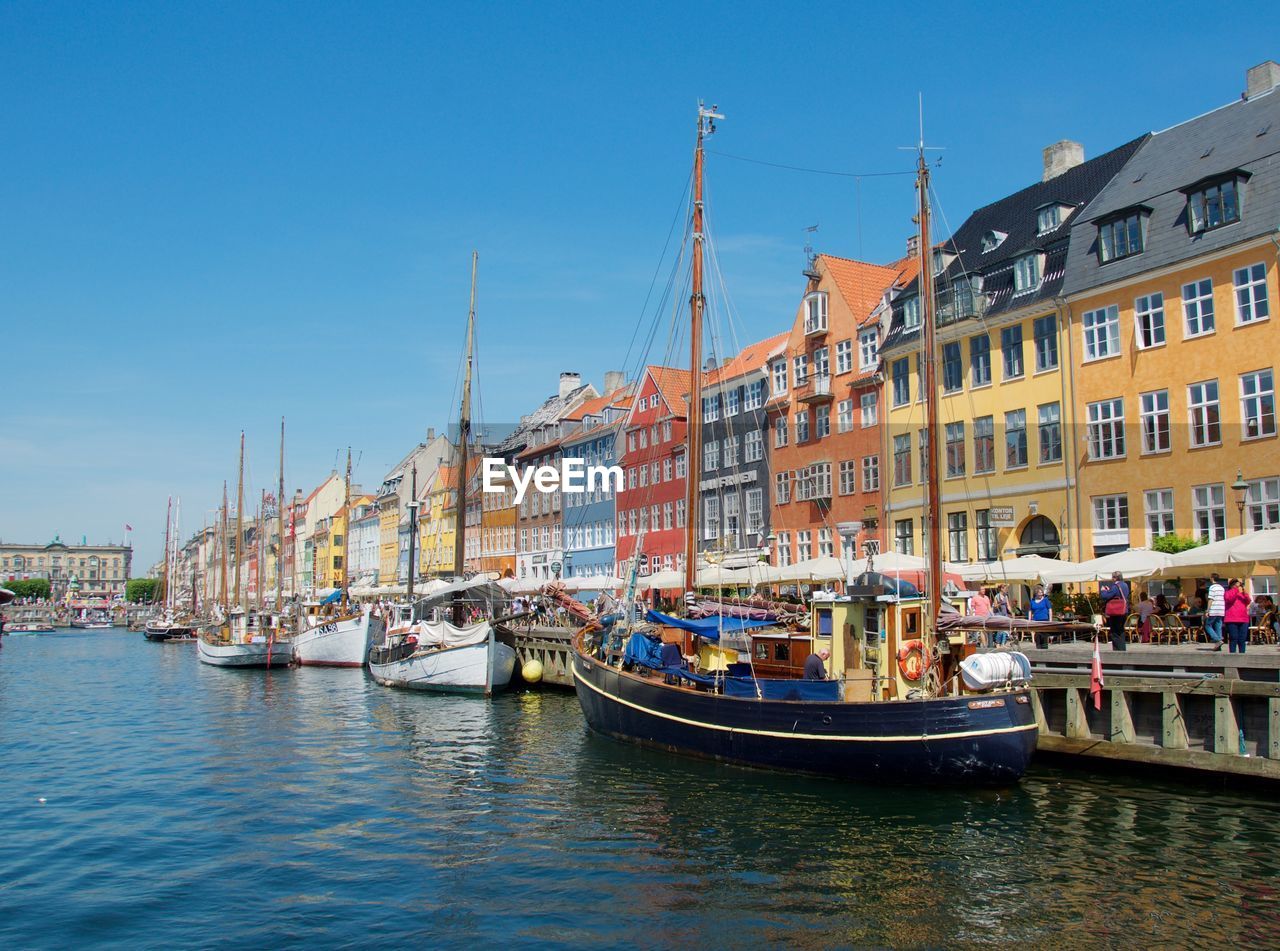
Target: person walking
<point x="1217" y="609"/>
<point x="1000" y="606"/>
<point x="1115" y="605"/>
<point x="1041" y="609"/>
<point x="1236" y="615"/>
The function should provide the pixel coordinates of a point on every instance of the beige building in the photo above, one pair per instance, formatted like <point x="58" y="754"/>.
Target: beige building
<point x="85" y="570"/>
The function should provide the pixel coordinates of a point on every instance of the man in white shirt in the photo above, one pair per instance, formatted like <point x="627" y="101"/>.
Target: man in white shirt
<point x="1217" y="609"/>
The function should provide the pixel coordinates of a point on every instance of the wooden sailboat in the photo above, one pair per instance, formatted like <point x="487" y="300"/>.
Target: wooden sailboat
<point x="342" y="639"/>
<point x="234" y="641"/>
<point x="165" y="625"/>
<point x="877" y="729"/>
<point x="439" y="655"/>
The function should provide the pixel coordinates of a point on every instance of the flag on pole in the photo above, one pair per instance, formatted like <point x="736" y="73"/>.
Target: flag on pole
<point x="1095" y="677"/>
<point x="128" y="527"/>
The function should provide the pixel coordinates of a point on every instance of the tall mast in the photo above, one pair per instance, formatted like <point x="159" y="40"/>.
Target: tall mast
<point x="346" y="538"/>
<point x="222" y="548"/>
<point x="693" y="451"/>
<point x="280" y="528"/>
<point x="464" y="436"/>
<point x="164" y="573"/>
<point x="413" y="528"/>
<point x="932" y="518"/>
<point x="261" y="548"/>
<point x="240" y="521"/>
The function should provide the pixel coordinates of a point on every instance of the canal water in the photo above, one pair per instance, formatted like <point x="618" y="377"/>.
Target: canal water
<point x="149" y="801"/>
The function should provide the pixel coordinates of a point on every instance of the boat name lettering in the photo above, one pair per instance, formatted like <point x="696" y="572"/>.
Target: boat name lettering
<point x="985" y="704"/>
<point x="573" y="476"/>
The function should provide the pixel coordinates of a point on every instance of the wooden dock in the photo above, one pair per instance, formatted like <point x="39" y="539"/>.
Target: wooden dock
<point x="550" y="646"/>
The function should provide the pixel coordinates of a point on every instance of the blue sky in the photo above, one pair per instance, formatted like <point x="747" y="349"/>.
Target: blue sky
<point x="213" y="215"/>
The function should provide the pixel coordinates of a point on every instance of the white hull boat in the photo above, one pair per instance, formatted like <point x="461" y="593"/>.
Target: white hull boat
<point x="338" y="642"/>
<point x="257" y="651"/>
<point x="446" y="659"/>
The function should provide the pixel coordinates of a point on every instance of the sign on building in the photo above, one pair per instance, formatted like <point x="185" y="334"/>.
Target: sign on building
<point x="1002" y="516"/>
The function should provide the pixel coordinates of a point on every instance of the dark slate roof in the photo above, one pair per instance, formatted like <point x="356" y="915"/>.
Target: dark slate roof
<point x="1231" y="137"/>
<point x="1015" y="216"/>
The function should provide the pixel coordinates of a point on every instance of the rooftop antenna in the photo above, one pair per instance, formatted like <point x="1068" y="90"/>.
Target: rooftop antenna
<point x="810" y="258"/>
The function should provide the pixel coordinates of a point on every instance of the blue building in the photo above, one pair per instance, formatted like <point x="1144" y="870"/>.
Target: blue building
<point x="589" y="516"/>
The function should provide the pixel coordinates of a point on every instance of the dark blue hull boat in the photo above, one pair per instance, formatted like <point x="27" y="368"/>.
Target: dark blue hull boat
<point x="975" y="739"/>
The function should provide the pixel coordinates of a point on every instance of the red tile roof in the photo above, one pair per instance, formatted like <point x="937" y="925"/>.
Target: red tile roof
<point x="862" y="285"/>
<point x="673" y="384"/>
<point x="621" y="398"/>
<point x="751" y="358"/>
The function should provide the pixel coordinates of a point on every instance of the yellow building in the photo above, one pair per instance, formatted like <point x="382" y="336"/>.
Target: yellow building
<point x="436" y="531"/>
<point x="1172" y="296"/>
<point x="1006" y="467"/>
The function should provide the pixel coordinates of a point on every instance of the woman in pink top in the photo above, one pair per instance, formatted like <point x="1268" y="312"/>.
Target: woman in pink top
<point x="980" y="604"/>
<point x="1236" y="617"/>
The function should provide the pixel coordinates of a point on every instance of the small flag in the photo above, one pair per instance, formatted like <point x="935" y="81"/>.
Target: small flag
<point x="1095" y="677"/>
<point x="128" y="527"/>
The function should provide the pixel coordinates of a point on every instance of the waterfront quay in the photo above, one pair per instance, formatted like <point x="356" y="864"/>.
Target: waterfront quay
<point x="155" y="802"/>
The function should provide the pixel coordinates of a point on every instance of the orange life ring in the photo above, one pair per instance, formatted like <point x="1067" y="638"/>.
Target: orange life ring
<point x="913" y="660"/>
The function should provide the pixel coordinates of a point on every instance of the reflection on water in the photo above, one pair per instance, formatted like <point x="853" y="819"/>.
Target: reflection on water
<point x="187" y="804"/>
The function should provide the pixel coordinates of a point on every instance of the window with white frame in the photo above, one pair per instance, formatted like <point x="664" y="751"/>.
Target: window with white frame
<point x="753" y="446"/>
<point x="711" y="456"/>
<point x="1262" y="504"/>
<point x="804" y="545"/>
<point x="666" y="430"/>
<point x="868" y="405"/>
<point x="870" y="473"/>
<point x="681" y="466"/>
<point x="680" y="513"/>
<point x="844" y="356"/>
<point x="1045" y="332"/>
<point x="955" y="449"/>
<point x="958" y="536"/>
<point x="730" y="451"/>
<point x="1110" y="520"/>
<point x="1011" y="348"/>
<point x="1213" y="206"/>
<point x="952" y="374"/>
<point x="826" y="544"/>
<point x="732" y="401"/>
<point x="1120" y="237"/>
<point x="1197" y="307"/>
<point x="1209" y="511"/>
<point x="800" y="369"/>
<point x="668" y="515"/>
<point x="984" y="444"/>
<point x="711" y="518"/>
<point x="1048" y="218"/>
<point x="732" y="522"/>
<point x="1015" y="439"/>
<point x="844" y="416"/>
<point x="979" y="360"/>
<point x="1258" y="404"/>
<point x="1049" y="430"/>
<point x="911" y="314"/>
<point x="1158" y="504"/>
<point x="1148" y="321"/>
<point x="781" y="487"/>
<point x="754" y="396"/>
<point x="815" y="312"/>
<point x="986" y="535"/>
<point x="1154" y="416"/>
<point x="666" y="470"/>
<point x="992" y="240"/>
<point x="780" y="430"/>
<point x="784" y="548"/>
<point x="868" y="349"/>
<point x="1251" y="294"/>
<point x="1106" y="429"/>
<point x="1204" y="413"/>
<point x="902" y="459"/>
<point x="780" y="377"/>
<point x="904" y="537"/>
<point x="644" y="476"/>
<point x="711" y="408"/>
<point x="631" y="478"/>
<point x="755" y="511"/>
<point x="802" y="425"/>
<point x="1101" y="332"/>
<point x="1026" y="273"/>
<point x="821" y="363"/>
<point x="821" y="422"/>
<point x="848" y="476"/>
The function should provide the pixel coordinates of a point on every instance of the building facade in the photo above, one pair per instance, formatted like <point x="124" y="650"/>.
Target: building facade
<point x="589" y="517"/>
<point x="97" y="571"/>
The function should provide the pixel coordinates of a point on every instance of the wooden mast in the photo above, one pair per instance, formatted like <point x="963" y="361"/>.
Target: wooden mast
<point x="164" y="572"/>
<point x="464" y="437"/>
<point x="413" y="529"/>
<point x="693" y="445"/>
<point x="240" y="523"/>
<point x="260" y="550"/>
<point x="222" y="548"/>
<point x="346" y="539"/>
<point x="932" y="517"/>
<point x="280" y="528"/>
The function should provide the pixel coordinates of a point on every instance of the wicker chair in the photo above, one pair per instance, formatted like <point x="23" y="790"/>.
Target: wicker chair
<point x="1263" y="631"/>
<point x="1174" y="630"/>
<point x="1157" y="629"/>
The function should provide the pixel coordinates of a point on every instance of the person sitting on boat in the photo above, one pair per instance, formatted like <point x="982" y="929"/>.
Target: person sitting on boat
<point x="814" y="666"/>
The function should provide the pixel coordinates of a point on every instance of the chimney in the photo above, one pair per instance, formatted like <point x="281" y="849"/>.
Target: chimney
<point x="569" y="382"/>
<point x="1061" y="157"/>
<point x="1261" y="78"/>
<point x="613" y="380"/>
<point x="913" y="245"/>
<point x="431" y="434"/>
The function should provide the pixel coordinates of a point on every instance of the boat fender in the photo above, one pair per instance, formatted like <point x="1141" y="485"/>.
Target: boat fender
<point x="913" y="660"/>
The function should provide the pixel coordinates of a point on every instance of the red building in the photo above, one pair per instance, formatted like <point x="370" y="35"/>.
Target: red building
<point x="652" y="456"/>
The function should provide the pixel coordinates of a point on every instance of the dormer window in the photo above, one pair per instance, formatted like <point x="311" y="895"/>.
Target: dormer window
<point x="1050" y="217"/>
<point x="1027" y="272"/>
<point x="941" y="259"/>
<point x="992" y="240"/>
<point x="911" y="314"/>
<point x="1121" y="236"/>
<point x="815" y="312"/>
<point x="1213" y="204"/>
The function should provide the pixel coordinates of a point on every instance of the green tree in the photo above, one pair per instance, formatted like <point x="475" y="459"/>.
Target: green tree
<point x="141" y="590"/>
<point x="1171" y="544"/>
<point x="30" y="588"/>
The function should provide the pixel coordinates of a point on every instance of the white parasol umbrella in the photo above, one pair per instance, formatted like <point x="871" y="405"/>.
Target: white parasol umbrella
<point x="1024" y="568"/>
<point x="1132" y="563"/>
<point x="668" y="580"/>
<point x="1227" y="554"/>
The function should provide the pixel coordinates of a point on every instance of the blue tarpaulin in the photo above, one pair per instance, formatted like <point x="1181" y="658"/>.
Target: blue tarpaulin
<point x="828" y="690"/>
<point x="334" y="598"/>
<point x="643" y="650"/>
<point x="708" y="628"/>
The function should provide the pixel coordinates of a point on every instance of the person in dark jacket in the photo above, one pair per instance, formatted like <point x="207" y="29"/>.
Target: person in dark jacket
<point x="814" y="668"/>
<point x="1115" y="607"/>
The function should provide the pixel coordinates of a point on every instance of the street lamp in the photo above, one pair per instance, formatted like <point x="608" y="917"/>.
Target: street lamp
<point x="1241" y="489"/>
<point x="766" y="549"/>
